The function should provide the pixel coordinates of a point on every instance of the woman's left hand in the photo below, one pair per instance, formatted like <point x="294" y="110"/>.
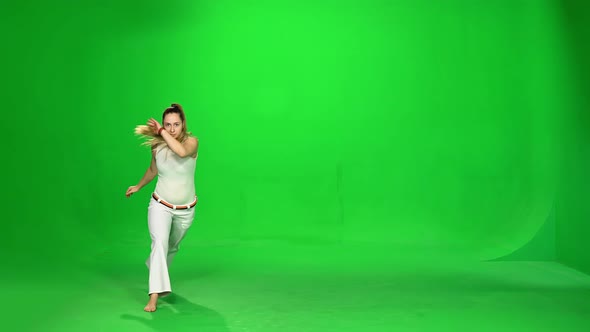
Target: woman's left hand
<point x="155" y="125"/>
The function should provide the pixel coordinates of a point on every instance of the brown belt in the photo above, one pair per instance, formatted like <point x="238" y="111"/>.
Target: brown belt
<point x="172" y="206"/>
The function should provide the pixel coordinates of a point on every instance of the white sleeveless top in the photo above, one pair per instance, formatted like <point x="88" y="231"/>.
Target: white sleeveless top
<point x="176" y="177"/>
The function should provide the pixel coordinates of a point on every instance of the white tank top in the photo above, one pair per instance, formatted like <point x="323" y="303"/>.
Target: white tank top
<point x="176" y="177"/>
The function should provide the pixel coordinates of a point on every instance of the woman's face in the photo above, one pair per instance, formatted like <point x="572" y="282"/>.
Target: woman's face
<point x="173" y="124"/>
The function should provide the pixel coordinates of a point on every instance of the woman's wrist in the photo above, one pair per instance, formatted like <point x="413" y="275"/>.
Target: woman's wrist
<point x="160" y="131"/>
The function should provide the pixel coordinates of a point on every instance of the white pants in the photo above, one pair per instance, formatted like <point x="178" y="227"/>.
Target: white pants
<point x="167" y="228"/>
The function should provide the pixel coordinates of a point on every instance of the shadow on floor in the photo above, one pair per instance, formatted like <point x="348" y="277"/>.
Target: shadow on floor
<point x="176" y="313"/>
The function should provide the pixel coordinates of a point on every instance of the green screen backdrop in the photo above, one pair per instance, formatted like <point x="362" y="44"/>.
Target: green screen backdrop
<point x="411" y="125"/>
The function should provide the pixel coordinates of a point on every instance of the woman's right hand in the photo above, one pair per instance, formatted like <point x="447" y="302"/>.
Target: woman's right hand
<point x="131" y="190"/>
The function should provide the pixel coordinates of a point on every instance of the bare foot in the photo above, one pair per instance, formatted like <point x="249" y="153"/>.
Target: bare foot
<point x="151" y="305"/>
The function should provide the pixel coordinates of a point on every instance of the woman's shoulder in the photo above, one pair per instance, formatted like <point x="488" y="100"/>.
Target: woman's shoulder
<point x="156" y="148"/>
<point x="192" y="138"/>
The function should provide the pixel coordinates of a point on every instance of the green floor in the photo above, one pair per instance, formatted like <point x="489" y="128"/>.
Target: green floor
<point x="269" y="287"/>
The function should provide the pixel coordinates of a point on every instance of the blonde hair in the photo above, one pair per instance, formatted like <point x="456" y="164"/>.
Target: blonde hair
<point x="154" y="140"/>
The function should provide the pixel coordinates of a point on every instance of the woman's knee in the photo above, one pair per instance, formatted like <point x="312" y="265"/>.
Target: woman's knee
<point x="160" y="243"/>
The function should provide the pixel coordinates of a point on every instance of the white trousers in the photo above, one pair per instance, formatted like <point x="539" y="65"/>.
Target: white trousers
<point x="167" y="228"/>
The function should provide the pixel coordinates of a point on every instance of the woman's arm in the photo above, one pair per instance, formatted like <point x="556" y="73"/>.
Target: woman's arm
<point x="150" y="173"/>
<point x="188" y="148"/>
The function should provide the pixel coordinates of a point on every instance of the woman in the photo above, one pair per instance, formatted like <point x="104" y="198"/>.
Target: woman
<point x="171" y="209"/>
